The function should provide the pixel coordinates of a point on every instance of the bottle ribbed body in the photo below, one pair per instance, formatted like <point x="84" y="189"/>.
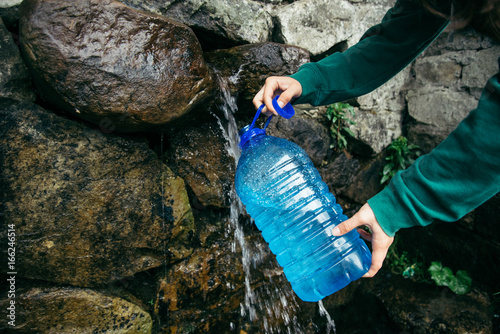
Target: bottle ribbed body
<point x="292" y="206"/>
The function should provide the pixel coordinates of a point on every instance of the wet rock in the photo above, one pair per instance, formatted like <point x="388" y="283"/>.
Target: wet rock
<point x="88" y="208"/>
<point x="339" y="173"/>
<point x="200" y="156"/>
<point x="242" y="22"/>
<point x="366" y="182"/>
<point x="73" y="310"/>
<point x="391" y="304"/>
<point x="112" y="65"/>
<point x="246" y="67"/>
<point x="436" y="310"/>
<point x="461" y="245"/>
<point x="15" y="81"/>
<point x="310" y="135"/>
<point x="216" y="290"/>
<point x="210" y="276"/>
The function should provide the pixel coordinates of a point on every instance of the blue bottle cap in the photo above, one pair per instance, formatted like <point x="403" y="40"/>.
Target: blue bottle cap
<point x="286" y="112"/>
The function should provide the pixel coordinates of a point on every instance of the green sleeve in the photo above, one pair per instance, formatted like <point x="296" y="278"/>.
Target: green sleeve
<point x="460" y="174"/>
<point x="383" y="51"/>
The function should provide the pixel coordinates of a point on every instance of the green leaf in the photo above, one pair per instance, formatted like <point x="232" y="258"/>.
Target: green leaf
<point x="387" y="168"/>
<point x="435" y="266"/>
<point x="384" y="179"/>
<point x="409" y="272"/>
<point x="401" y="161"/>
<point x="344" y="142"/>
<point x="439" y="274"/>
<point x="349" y="132"/>
<point x="443" y="276"/>
<point x="462" y="283"/>
<point x="464" y="277"/>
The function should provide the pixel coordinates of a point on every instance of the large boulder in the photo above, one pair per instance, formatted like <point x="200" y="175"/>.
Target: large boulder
<point x="112" y="65"/>
<point x="243" y="21"/>
<point x="15" y="81"/>
<point x="74" y="310"/>
<point x="87" y="208"/>
<point x="321" y="25"/>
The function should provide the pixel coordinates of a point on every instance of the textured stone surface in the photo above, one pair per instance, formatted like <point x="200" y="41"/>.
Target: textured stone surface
<point x="437" y="310"/>
<point x="243" y="21"/>
<point x="88" y="208"/>
<point x="449" y="79"/>
<point x="74" y="310"/>
<point x="440" y="107"/>
<point x="313" y="137"/>
<point x="319" y="25"/>
<point x="246" y="67"/>
<point x="112" y="65"/>
<point x="9" y="11"/>
<point x="198" y="154"/>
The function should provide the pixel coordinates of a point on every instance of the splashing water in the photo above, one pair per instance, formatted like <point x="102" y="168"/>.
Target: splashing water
<point x="230" y="132"/>
<point x="330" y="324"/>
<point x="276" y="301"/>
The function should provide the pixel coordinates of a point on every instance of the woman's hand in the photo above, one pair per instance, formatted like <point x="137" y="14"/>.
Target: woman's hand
<point x="288" y="88"/>
<point x="380" y="241"/>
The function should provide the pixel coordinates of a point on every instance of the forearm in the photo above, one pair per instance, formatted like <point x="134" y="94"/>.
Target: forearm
<point x="383" y="51"/>
<point x="455" y="178"/>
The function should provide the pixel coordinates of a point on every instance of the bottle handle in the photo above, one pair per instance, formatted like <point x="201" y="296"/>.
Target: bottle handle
<point x="286" y="112"/>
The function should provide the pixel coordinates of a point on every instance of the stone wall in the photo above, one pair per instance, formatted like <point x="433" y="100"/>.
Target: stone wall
<point x="141" y="232"/>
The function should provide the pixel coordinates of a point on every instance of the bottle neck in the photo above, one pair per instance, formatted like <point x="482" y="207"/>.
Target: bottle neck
<point x="247" y="135"/>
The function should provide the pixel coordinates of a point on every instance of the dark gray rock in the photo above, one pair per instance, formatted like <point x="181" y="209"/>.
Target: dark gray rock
<point x="246" y="67"/>
<point x="312" y="136"/>
<point x="198" y="154"/>
<point x="87" y="208"/>
<point x="112" y="65"/>
<point x="9" y="12"/>
<point x="74" y="310"/>
<point x="15" y="81"/>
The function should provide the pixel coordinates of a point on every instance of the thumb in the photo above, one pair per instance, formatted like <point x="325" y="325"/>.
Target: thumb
<point x="284" y="99"/>
<point x="345" y="226"/>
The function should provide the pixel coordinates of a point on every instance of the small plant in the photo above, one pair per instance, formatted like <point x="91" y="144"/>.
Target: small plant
<point x="400" y="156"/>
<point x="400" y="263"/>
<point x="443" y="276"/>
<point x="338" y="114"/>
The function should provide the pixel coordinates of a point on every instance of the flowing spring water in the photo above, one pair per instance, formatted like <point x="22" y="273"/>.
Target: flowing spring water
<point x="276" y="302"/>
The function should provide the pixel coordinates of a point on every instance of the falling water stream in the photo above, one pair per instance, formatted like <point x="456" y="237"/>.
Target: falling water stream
<point x="277" y="301"/>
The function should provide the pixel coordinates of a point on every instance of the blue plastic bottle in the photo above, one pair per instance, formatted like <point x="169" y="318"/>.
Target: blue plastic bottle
<point x="291" y="205"/>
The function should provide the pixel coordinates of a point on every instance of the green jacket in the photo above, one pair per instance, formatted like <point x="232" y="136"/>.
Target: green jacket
<point x="458" y="175"/>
